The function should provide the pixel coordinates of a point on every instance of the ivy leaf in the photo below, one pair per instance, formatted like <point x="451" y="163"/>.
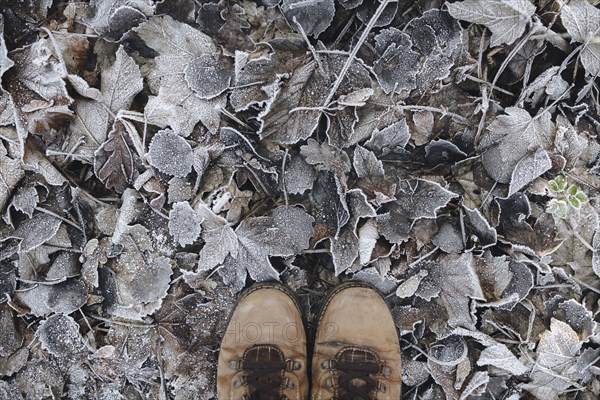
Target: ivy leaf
<point x="512" y="137"/>
<point x="283" y="233"/>
<point x="415" y="199"/>
<point x="507" y="19"/>
<point x="580" y="18"/>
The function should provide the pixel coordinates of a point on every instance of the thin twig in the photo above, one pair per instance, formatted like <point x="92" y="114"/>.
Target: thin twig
<point x="354" y="51"/>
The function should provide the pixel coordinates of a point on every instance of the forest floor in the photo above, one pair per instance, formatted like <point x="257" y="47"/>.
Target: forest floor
<point x="158" y="157"/>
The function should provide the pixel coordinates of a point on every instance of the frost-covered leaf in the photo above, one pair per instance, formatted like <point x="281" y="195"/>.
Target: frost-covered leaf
<point x="227" y="24"/>
<point x="527" y="169"/>
<point x="437" y="37"/>
<point x="313" y="16"/>
<point x="38" y="90"/>
<point x="59" y="335"/>
<point x="420" y="198"/>
<point x="291" y="116"/>
<point x="120" y="83"/>
<point x="325" y="157"/>
<point x="455" y="281"/>
<point x="441" y="152"/>
<point x="596" y="252"/>
<point x="415" y="199"/>
<point x="11" y="173"/>
<point x="568" y="141"/>
<point x="111" y="19"/>
<point x="366" y="164"/>
<point x="345" y="246"/>
<point x="507" y="19"/>
<point x="36" y="231"/>
<point x="385" y="284"/>
<point x="556" y="352"/>
<point x="208" y="75"/>
<point x="283" y="233"/>
<point x="511" y="137"/>
<point x="67" y="297"/>
<point x="299" y="175"/>
<point x="11" y="337"/>
<point x="249" y="69"/>
<point x="64" y="266"/>
<point x="390" y="139"/>
<point x="367" y="238"/>
<point x="329" y="201"/>
<point x="151" y="283"/>
<point x="174" y="103"/>
<point x="396" y="70"/>
<point x="220" y="239"/>
<point x="5" y="62"/>
<point x="577" y="316"/>
<point x="481" y="227"/>
<point x="448" y="238"/>
<point x="25" y="199"/>
<point x="366" y="12"/>
<point x="184" y="223"/>
<point x="170" y="153"/>
<point x="580" y="18"/>
<point x="501" y="357"/>
<point x="115" y="162"/>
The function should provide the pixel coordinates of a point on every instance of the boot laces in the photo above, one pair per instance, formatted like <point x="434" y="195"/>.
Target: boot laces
<point x="263" y="367"/>
<point x="356" y="371"/>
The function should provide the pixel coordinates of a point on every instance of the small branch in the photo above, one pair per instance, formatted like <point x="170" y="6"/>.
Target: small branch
<point x="354" y="51"/>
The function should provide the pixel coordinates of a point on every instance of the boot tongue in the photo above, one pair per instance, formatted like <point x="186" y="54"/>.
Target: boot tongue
<point x="263" y="365"/>
<point x="357" y="367"/>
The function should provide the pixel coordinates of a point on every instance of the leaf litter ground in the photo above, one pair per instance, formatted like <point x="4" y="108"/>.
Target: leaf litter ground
<point x="157" y="157"/>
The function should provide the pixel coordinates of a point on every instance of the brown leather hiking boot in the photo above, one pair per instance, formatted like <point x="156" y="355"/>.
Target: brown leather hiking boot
<point x="263" y="352"/>
<point x="356" y="353"/>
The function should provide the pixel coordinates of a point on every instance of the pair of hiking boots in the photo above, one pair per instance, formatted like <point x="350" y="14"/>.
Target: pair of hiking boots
<point x="356" y="352"/>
